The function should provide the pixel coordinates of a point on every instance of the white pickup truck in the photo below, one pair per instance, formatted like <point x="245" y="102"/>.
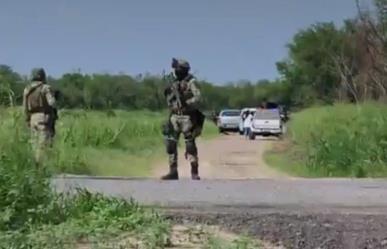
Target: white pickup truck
<point x="266" y="122"/>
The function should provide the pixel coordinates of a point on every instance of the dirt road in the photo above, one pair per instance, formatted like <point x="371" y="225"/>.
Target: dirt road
<point x="227" y="157"/>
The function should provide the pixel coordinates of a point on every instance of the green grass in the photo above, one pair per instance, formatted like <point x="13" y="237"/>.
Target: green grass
<point x="88" y="219"/>
<point x="240" y="243"/>
<point x="285" y="161"/>
<point x="33" y="216"/>
<point x="336" y="141"/>
<point x="111" y="143"/>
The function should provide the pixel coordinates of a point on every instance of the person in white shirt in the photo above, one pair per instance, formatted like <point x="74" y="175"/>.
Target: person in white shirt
<point x="247" y="124"/>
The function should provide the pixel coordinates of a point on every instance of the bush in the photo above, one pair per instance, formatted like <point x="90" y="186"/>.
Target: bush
<point x="343" y="140"/>
<point x="22" y="186"/>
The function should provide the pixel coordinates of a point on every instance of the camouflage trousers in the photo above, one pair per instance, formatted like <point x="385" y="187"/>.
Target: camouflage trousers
<point x="41" y="135"/>
<point x="182" y="124"/>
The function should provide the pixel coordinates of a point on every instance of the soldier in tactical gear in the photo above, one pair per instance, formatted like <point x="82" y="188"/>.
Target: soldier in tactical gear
<point x="182" y="97"/>
<point x="39" y="104"/>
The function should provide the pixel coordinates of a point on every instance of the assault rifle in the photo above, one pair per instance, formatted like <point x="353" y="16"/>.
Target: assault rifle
<point x="172" y="92"/>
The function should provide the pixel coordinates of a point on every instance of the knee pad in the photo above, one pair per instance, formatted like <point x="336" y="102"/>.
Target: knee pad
<point x="171" y="146"/>
<point x="191" y="147"/>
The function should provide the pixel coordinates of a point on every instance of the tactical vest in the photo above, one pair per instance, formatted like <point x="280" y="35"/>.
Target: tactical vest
<point x="183" y="85"/>
<point x="36" y="101"/>
<point x="197" y="117"/>
<point x="184" y="90"/>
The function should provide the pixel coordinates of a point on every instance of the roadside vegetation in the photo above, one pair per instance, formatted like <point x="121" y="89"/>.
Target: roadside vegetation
<point x="105" y="143"/>
<point x="240" y="243"/>
<point x="33" y="216"/>
<point x="109" y="143"/>
<point x="335" y="141"/>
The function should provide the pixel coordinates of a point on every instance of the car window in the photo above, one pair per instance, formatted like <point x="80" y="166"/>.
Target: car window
<point x="248" y="111"/>
<point x="230" y="113"/>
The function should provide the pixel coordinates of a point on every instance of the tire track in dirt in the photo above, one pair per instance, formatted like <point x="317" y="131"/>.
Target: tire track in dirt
<point x="227" y="157"/>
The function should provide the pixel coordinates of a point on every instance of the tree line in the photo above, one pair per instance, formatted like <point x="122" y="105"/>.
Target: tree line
<point x="325" y="64"/>
<point x="106" y="91"/>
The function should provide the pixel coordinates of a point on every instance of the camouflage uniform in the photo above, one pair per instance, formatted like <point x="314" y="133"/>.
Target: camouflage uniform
<point x="183" y="119"/>
<point x="39" y="107"/>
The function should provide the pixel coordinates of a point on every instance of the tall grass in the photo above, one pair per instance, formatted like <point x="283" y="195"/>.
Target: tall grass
<point x="22" y="187"/>
<point x="33" y="216"/>
<point x="342" y="140"/>
<point x="110" y="143"/>
<point x="130" y="131"/>
<point x="104" y="143"/>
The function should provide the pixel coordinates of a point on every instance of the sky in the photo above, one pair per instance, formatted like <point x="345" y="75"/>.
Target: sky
<point x="224" y="40"/>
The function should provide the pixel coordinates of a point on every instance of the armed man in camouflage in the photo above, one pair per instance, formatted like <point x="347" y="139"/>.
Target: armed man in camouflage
<point x="39" y="104"/>
<point x="183" y="97"/>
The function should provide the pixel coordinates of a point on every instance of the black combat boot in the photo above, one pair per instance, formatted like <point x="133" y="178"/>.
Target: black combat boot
<point x="172" y="175"/>
<point x="195" y="171"/>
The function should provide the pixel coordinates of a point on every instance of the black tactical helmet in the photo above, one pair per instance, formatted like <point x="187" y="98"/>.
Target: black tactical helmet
<point x="180" y="63"/>
<point x="38" y="74"/>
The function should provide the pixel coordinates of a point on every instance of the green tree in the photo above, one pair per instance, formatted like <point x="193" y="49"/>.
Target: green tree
<point x="9" y="81"/>
<point x="310" y="69"/>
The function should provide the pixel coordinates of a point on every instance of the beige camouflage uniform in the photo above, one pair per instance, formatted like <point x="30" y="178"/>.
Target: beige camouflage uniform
<point x="39" y="102"/>
<point x="182" y="120"/>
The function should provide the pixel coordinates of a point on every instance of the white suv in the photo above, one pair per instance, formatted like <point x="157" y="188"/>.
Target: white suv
<point x="228" y="120"/>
